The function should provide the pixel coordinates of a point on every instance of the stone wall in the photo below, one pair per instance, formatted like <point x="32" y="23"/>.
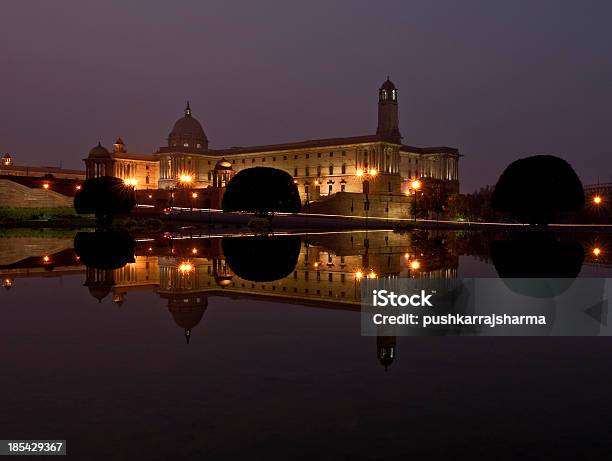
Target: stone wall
<point x="16" y="195"/>
<point x="354" y="204"/>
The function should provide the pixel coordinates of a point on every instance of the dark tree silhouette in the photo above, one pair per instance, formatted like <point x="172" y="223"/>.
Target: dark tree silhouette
<point x="262" y="190"/>
<point x="262" y="259"/>
<point x="537" y="189"/>
<point x="104" y="250"/>
<point x="105" y="197"/>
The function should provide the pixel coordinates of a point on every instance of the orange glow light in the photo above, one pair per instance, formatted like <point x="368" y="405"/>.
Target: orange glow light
<point x="415" y="265"/>
<point x="185" y="267"/>
<point x="46" y="259"/>
<point x="596" y="251"/>
<point x="194" y="251"/>
<point x="194" y="195"/>
<point x="373" y="172"/>
<point x="597" y="200"/>
<point x="359" y="172"/>
<point x="416" y="184"/>
<point x="358" y="275"/>
<point x="372" y="275"/>
<point x="46" y="186"/>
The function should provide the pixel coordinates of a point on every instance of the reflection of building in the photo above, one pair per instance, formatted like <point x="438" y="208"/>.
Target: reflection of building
<point x="379" y="163"/>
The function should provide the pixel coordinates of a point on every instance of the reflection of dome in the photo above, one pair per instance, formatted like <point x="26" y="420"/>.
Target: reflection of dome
<point x="223" y="165"/>
<point x="187" y="312"/>
<point x="388" y="85"/>
<point x="99" y="152"/>
<point x="187" y="132"/>
<point x="99" y="291"/>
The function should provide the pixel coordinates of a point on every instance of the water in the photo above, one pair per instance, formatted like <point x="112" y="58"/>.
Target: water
<point x="176" y="356"/>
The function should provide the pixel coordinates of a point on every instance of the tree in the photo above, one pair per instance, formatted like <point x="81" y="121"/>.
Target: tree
<point x="433" y="197"/>
<point x="538" y="189"/>
<point x="105" y="197"/>
<point x="262" y="190"/>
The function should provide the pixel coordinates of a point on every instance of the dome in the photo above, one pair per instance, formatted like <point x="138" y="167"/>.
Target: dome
<point x="388" y="85"/>
<point x="223" y="165"/>
<point x="99" y="152"/>
<point x="7" y="156"/>
<point x="188" y="133"/>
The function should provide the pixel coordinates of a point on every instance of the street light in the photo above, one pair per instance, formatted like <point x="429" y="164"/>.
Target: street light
<point x="415" y="185"/>
<point x="597" y="200"/>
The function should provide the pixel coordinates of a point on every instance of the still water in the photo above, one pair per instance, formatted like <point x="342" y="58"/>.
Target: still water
<point x="217" y="347"/>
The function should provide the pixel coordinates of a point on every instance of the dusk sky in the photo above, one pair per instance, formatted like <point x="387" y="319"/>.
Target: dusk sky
<point x="497" y="79"/>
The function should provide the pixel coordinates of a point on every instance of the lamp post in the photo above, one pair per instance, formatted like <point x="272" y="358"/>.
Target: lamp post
<point x="415" y="185"/>
<point x="185" y="181"/>
<point x="366" y="176"/>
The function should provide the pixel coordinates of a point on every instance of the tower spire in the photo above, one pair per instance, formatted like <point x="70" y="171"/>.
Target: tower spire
<point x="188" y="110"/>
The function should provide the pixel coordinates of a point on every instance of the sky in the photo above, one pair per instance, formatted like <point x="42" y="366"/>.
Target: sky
<point x="499" y="80"/>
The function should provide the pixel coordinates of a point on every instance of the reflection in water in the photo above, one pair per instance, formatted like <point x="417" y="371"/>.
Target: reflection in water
<point x="317" y="270"/>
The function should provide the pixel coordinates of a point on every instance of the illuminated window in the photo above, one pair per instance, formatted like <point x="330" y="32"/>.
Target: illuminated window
<point x="185" y="144"/>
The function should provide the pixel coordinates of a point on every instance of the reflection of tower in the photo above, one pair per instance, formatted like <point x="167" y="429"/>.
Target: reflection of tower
<point x="187" y="310"/>
<point x="99" y="282"/>
<point x="385" y="346"/>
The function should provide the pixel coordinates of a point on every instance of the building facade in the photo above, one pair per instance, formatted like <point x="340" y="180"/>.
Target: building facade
<point x="372" y="164"/>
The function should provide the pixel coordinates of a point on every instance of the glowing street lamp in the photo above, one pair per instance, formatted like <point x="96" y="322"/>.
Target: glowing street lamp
<point x="596" y="251"/>
<point x="359" y="173"/>
<point x="358" y="275"/>
<point x="185" y="267"/>
<point x="415" y="185"/>
<point x="130" y="182"/>
<point x="373" y="172"/>
<point x="597" y="200"/>
<point x="185" y="179"/>
<point x="415" y="264"/>
<point x="46" y="185"/>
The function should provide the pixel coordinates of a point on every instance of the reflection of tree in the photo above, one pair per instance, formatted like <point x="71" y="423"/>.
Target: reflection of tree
<point x="535" y="254"/>
<point x="105" y="250"/>
<point x="431" y="249"/>
<point x="262" y="259"/>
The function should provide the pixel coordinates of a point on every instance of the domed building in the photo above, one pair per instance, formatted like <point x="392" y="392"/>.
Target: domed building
<point x="7" y="160"/>
<point x="378" y="164"/>
<point x="188" y="133"/>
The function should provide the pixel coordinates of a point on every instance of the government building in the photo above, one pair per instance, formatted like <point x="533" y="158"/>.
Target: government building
<point x="329" y="173"/>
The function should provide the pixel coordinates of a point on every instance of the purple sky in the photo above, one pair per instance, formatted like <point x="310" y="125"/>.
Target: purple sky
<point x="497" y="79"/>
